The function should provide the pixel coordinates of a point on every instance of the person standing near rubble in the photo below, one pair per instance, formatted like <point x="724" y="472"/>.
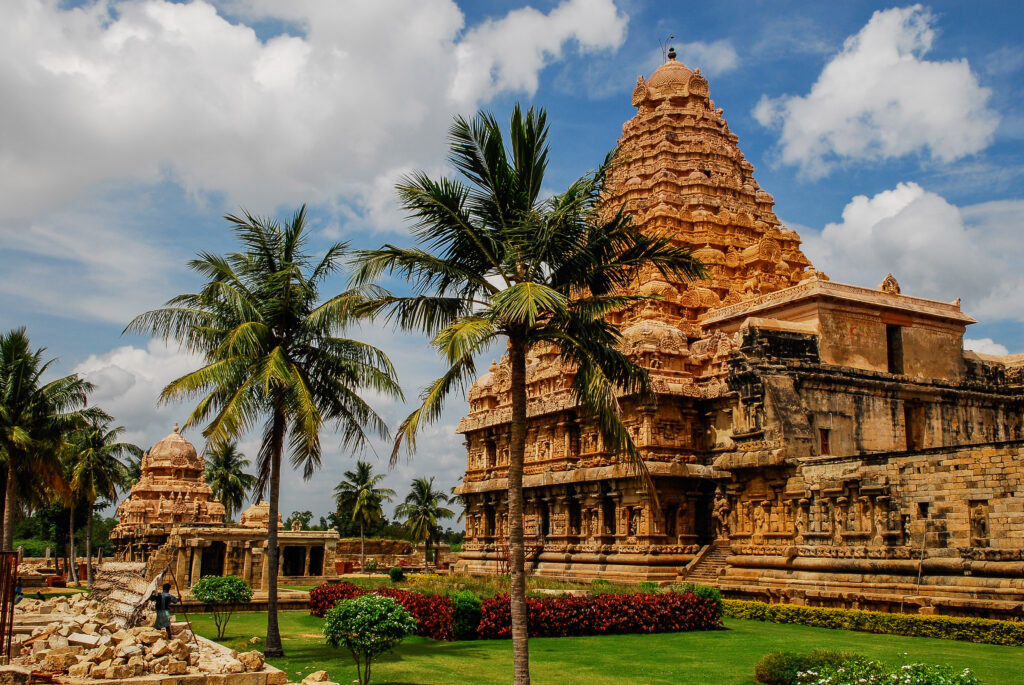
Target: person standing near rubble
<point x="163" y="602"/>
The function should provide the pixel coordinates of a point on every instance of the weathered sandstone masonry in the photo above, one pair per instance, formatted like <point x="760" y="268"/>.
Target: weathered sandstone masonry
<point x="810" y="441"/>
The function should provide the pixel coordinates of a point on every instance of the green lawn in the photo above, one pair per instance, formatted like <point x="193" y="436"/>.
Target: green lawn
<point x="722" y="657"/>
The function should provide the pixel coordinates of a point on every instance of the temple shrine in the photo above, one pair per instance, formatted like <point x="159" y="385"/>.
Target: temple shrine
<point x="171" y="521"/>
<point x="812" y="442"/>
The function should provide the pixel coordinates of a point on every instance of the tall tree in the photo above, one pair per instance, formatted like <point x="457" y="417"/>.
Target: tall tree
<point x="422" y="509"/>
<point x="359" y="492"/>
<point x="497" y="261"/>
<point x="226" y="476"/>
<point x="272" y="354"/>
<point x="34" y="420"/>
<point x="97" y="471"/>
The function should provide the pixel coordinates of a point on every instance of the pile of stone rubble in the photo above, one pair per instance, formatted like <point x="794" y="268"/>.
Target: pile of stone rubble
<point x="83" y="638"/>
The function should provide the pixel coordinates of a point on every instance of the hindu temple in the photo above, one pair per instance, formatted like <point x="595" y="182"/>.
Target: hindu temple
<point x="171" y="521"/>
<point x="811" y="442"/>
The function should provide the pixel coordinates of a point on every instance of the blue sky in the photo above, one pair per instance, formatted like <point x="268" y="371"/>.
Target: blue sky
<point x="890" y="136"/>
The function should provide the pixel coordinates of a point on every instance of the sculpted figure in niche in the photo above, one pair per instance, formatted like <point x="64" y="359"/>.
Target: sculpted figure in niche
<point x="800" y="521"/>
<point x="720" y="513"/>
<point x="759" y="519"/>
<point x="840" y="521"/>
<point x="881" y="519"/>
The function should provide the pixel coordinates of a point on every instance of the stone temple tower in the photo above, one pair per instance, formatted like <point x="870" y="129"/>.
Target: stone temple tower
<point x="809" y="441"/>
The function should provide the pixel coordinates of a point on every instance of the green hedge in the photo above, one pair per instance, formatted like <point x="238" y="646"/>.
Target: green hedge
<point x="914" y="625"/>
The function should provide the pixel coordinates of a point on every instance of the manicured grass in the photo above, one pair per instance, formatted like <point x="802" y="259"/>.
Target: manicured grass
<point x="724" y="657"/>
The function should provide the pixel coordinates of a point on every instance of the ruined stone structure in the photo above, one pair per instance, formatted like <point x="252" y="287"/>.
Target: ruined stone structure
<point x="170" y="520"/>
<point x="811" y="441"/>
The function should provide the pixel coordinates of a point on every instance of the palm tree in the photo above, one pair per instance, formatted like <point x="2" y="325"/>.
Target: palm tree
<point x="360" y="493"/>
<point x="97" y="471"/>
<point x="225" y="475"/>
<point x="272" y="355"/>
<point x="496" y="261"/>
<point x="422" y="510"/>
<point x="34" y="419"/>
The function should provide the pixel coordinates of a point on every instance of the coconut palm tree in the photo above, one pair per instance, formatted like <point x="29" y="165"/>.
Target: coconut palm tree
<point x="273" y="356"/>
<point x="359" y="492"/>
<point x="422" y="509"/>
<point x="96" y="470"/>
<point x="34" y="420"/>
<point x="226" y="476"/>
<point x="497" y="261"/>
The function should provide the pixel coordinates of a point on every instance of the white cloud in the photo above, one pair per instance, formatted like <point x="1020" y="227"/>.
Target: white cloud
<point x="712" y="59"/>
<point x="92" y="262"/>
<point x="879" y="98"/>
<point x="985" y="346"/>
<point x="129" y="380"/>
<point x="509" y="53"/>
<point x="934" y="248"/>
<point x="143" y="91"/>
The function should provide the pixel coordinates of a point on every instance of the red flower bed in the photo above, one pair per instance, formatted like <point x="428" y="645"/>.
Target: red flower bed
<point x="324" y="597"/>
<point x="602" y="615"/>
<point x="433" y="614"/>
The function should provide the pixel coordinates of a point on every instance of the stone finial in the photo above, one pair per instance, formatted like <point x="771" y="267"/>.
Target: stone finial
<point x="176" y="429"/>
<point x="890" y="285"/>
<point x="671" y="53"/>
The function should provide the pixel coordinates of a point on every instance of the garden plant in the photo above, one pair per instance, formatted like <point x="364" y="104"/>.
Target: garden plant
<point x="224" y="594"/>
<point x="368" y="626"/>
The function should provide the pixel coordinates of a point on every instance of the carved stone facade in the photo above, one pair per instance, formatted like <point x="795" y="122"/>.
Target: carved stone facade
<point x="835" y="441"/>
<point x="171" y="521"/>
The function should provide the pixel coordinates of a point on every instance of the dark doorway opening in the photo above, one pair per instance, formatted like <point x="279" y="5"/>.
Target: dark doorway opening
<point x="212" y="563"/>
<point x="316" y="561"/>
<point x="293" y="560"/>
<point x="702" y="519"/>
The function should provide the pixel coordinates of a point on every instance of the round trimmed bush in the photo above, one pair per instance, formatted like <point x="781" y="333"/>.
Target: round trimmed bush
<point x="368" y="626"/>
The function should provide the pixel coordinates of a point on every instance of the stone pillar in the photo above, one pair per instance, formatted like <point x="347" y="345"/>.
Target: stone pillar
<point x="181" y="568"/>
<point x="305" y="562"/>
<point x="247" y="564"/>
<point x="197" y="565"/>
<point x="265" y="575"/>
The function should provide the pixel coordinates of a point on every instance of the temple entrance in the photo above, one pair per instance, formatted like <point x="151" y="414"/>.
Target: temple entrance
<point x="316" y="561"/>
<point x="212" y="563"/>
<point x="293" y="561"/>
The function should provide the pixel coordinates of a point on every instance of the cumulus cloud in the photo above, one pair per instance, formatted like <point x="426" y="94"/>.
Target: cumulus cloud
<point x="145" y="91"/>
<point x="934" y="248"/>
<point x="712" y="59"/>
<point x="879" y="98"/>
<point x="985" y="346"/>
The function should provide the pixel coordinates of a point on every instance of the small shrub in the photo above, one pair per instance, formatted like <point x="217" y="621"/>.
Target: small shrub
<point x="371" y="565"/>
<point x="782" y="668"/>
<point x="224" y="593"/>
<point x="864" y="672"/>
<point x="710" y="593"/>
<point x="649" y="587"/>
<point x="367" y="626"/>
<point x="598" y="582"/>
<point x="397" y="574"/>
<point x="683" y="588"/>
<point x="466" y="612"/>
<point x="323" y="597"/>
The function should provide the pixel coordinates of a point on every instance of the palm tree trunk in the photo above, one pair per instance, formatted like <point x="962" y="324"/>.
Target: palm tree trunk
<point x="272" y="647"/>
<point x="3" y="503"/>
<point x="362" y="548"/>
<point x="517" y="450"/>
<point x="10" y="504"/>
<point x="72" y="575"/>
<point x="88" y="549"/>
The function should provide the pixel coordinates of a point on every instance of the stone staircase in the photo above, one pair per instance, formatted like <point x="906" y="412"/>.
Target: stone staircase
<point x="706" y="570"/>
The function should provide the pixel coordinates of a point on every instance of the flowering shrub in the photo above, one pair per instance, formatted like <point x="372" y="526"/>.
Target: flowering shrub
<point x="433" y="614"/>
<point x="862" y="671"/>
<point x="781" y="668"/>
<point x="601" y="615"/>
<point x="324" y="597"/>
<point x="466" y="607"/>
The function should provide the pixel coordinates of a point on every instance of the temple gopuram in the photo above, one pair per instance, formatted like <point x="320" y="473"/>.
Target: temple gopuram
<point x="811" y="442"/>
<point x="171" y="522"/>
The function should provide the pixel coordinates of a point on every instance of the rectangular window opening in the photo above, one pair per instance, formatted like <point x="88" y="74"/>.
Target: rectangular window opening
<point x="894" y="348"/>
<point x="824" y="440"/>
